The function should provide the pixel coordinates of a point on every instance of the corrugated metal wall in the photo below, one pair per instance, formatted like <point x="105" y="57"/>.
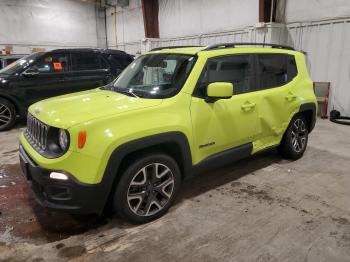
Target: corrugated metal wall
<point x="147" y="44"/>
<point x="326" y="44"/>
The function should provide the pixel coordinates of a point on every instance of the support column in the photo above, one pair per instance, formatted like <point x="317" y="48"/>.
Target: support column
<point x="150" y="9"/>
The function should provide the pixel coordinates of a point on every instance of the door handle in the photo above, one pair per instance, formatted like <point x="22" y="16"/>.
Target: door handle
<point x="290" y="97"/>
<point x="247" y="106"/>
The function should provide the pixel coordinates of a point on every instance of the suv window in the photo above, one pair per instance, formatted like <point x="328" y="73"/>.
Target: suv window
<point x="120" y="61"/>
<point x="275" y="70"/>
<point x="236" y="69"/>
<point x="52" y="63"/>
<point x="87" y="61"/>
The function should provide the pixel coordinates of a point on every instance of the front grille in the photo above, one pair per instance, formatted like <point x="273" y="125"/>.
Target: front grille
<point x="36" y="133"/>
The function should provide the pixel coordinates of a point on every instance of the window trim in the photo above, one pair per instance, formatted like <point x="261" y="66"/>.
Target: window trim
<point x="254" y="64"/>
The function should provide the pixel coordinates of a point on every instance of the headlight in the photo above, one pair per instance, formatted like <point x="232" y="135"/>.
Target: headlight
<point x="63" y="139"/>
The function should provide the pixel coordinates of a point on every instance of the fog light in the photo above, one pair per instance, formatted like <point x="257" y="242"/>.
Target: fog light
<point x="59" y="176"/>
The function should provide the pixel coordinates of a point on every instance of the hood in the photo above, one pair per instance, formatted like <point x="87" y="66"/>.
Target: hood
<point x="68" y="110"/>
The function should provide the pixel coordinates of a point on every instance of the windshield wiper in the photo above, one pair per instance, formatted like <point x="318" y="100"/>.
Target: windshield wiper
<point x="125" y="92"/>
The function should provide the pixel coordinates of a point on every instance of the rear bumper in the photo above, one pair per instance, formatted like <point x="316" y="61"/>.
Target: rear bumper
<point x="68" y="195"/>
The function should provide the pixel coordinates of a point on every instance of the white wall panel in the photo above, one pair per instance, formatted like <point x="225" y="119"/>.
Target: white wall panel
<point x="202" y="40"/>
<point x="314" y="10"/>
<point x="47" y="23"/>
<point x="127" y="27"/>
<point x="185" y="18"/>
<point x="326" y="45"/>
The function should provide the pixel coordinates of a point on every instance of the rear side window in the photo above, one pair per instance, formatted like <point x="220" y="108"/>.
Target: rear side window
<point x="52" y="63"/>
<point x="275" y="70"/>
<point x="236" y="69"/>
<point x="119" y="61"/>
<point x="87" y="61"/>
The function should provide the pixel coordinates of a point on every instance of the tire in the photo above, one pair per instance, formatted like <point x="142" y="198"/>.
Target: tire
<point x="294" y="141"/>
<point x="7" y="114"/>
<point x="141" y="195"/>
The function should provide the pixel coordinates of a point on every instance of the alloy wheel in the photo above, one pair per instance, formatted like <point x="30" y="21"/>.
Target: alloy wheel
<point x="5" y="115"/>
<point x="150" y="189"/>
<point x="299" y="135"/>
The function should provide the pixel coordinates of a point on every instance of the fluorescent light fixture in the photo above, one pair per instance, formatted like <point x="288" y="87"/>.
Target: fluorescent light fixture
<point x="59" y="176"/>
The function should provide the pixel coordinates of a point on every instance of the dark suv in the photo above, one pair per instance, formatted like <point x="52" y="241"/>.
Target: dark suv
<point x="47" y="74"/>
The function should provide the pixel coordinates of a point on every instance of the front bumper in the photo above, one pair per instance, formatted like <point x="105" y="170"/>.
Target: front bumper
<point x="69" y="195"/>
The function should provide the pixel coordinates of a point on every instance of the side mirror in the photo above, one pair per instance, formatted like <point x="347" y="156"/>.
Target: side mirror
<point x="30" y="72"/>
<point x="219" y="90"/>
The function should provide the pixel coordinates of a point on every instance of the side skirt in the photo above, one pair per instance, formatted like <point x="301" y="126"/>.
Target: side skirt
<point x="223" y="158"/>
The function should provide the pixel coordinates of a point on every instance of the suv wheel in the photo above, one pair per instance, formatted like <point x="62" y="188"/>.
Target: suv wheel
<point x="147" y="188"/>
<point x="7" y="114"/>
<point x="295" y="139"/>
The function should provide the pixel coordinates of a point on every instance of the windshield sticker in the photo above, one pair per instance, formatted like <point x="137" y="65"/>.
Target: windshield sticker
<point x="57" y="66"/>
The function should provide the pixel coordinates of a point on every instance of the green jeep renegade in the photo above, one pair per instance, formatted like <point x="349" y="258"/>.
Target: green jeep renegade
<point x="172" y="113"/>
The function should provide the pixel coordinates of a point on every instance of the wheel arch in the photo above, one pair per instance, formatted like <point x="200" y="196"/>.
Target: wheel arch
<point x="174" y="144"/>
<point x="19" y="110"/>
<point x="308" y="110"/>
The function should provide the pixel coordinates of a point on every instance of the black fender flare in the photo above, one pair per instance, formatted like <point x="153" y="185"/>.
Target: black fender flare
<point x="118" y="155"/>
<point x="307" y="107"/>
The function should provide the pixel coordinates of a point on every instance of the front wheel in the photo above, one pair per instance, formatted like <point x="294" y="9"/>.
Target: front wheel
<point x="295" y="139"/>
<point x="7" y="114"/>
<point x="147" y="188"/>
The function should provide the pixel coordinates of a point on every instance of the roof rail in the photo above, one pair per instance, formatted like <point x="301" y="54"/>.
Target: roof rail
<point x="232" y="45"/>
<point x="172" y="47"/>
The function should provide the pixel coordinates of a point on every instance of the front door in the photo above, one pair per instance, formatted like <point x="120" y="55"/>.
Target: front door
<point x="226" y="123"/>
<point x="48" y="81"/>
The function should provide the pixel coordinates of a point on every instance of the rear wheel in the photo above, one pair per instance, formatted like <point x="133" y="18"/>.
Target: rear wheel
<point x="147" y="188"/>
<point x="294" y="142"/>
<point x="7" y="114"/>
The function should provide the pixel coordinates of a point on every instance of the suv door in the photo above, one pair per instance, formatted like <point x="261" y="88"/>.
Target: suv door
<point x="47" y="80"/>
<point x="226" y="123"/>
<point x="278" y="102"/>
<point x="89" y="70"/>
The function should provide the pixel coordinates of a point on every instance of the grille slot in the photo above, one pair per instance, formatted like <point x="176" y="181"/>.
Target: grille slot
<point x="36" y="133"/>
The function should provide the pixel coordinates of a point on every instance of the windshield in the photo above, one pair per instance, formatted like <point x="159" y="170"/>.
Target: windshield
<point x="19" y="64"/>
<point x="154" y="76"/>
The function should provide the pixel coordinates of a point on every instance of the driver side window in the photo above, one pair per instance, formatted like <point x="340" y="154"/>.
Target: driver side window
<point x="52" y="63"/>
<point x="235" y="69"/>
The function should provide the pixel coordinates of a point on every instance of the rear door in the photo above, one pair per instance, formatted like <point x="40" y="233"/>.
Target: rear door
<point x="276" y="83"/>
<point x="89" y="70"/>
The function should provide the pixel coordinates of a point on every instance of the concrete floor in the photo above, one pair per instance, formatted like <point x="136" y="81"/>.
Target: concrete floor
<point x="264" y="209"/>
